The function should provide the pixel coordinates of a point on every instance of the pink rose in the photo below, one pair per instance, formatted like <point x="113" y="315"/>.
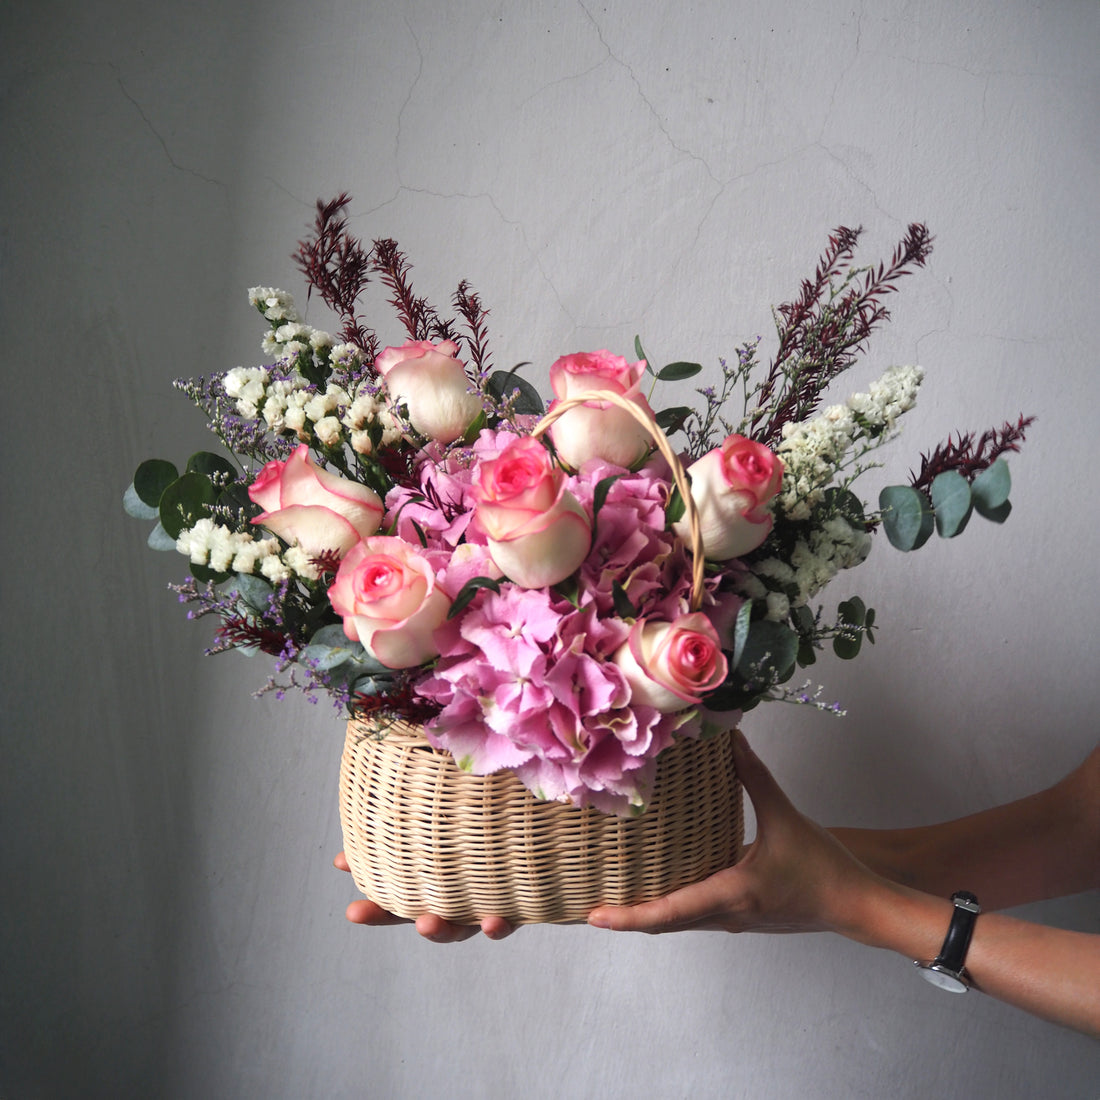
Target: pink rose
<point x="432" y="385"/>
<point x="597" y="429"/>
<point x="538" y="533"/>
<point x="312" y="507"/>
<point x="389" y="600"/>
<point x="671" y="666"/>
<point x="732" y="486"/>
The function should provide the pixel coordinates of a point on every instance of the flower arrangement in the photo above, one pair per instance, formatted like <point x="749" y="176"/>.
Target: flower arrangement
<point x="403" y="527"/>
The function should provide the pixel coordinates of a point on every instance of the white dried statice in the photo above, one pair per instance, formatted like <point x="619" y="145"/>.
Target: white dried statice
<point x="893" y="394"/>
<point x="328" y="430"/>
<point x="366" y="410"/>
<point x="276" y="305"/>
<point x="223" y="550"/>
<point x="814" y="451"/>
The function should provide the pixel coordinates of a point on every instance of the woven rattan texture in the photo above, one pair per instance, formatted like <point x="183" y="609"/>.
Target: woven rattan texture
<point x="421" y="836"/>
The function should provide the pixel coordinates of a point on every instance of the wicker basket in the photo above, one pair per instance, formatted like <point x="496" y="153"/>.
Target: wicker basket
<point x="421" y="836"/>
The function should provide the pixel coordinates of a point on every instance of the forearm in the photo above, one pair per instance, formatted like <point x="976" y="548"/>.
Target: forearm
<point x="1049" y="972"/>
<point x="1046" y="845"/>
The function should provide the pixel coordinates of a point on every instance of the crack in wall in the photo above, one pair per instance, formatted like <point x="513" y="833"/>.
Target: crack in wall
<point x="153" y="130"/>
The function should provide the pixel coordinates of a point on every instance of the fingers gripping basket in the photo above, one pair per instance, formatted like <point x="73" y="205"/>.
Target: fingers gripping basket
<point x="422" y="836"/>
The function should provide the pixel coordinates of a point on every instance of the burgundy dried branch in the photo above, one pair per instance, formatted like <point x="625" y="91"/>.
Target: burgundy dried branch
<point x="337" y="266"/>
<point x="400" y="701"/>
<point x="418" y="317"/>
<point x="240" y="631"/>
<point x="326" y="563"/>
<point x="827" y="335"/>
<point x="970" y="456"/>
<point x="469" y="307"/>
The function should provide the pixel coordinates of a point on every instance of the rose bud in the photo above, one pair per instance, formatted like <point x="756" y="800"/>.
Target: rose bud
<point x="537" y="531"/>
<point x="598" y="429"/>
<point x="318" y="510"/>
<point x="732" y="487"/>
<point x="432" y="385"/>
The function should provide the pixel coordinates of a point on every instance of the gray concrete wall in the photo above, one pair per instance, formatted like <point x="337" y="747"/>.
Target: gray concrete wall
<point x="171" y="922"/>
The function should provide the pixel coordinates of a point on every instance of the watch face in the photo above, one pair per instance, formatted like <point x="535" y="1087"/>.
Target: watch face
<point x="943" y="978"/>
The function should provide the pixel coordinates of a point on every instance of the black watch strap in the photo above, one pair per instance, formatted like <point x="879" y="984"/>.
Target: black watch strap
<point x="946" y="970"/>
<point x="957" y="941"/>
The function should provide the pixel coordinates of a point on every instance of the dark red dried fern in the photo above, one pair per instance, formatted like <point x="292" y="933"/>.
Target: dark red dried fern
<point x="970" y="455"/>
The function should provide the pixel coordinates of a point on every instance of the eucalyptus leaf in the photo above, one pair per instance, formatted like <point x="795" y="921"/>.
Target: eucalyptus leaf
<point x="769" y="648"/>
<point x="372" y="685"/>
<point x="134" y="506"/>
<point x="151" y="478"/>
<point x="845" y="503"/>
<point x="672" y="420"/>
<point x="741" y="632"/>
<point x="501" y="384"/>
<point x="676" y="372"/>
<point x="324" y="657"/>
<point x="998" y="514"/>
<point x="159" y="539"/>
<point x="254" y="591"/>
<point x="907" y="516"/>
<point x="852" y="612"/>
<point x="952" y="503"/>
<point x="332" y="634"/>
<point x="207" y="575"/>
<point x="639" y="351"/>
<point x="187" y="500"/>
<point x="990" y="489"/>
<point x="847" y="646"/>
<point x="220" y="470"/>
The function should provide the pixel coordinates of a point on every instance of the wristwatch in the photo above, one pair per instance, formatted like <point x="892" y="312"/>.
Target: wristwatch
<point x="946" y="969"/>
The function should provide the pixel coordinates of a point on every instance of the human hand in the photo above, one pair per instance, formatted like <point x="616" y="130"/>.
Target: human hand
<point x="795" y="877"/>
<point x="431" y="927"/>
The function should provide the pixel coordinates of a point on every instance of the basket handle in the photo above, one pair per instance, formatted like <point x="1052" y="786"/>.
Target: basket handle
<point x="698" y="562"/>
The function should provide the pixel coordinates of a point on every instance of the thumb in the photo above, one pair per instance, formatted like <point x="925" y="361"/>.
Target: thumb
<point x="768" y="799"/>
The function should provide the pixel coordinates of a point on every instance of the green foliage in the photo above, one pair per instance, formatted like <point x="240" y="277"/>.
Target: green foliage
<point x="623" y="606"/>
<point x="676" y="372"/>
<point x="599" y="495"/>
<point x="951" y="500"/>
<point x="907" y="516"/>
<point x="254" y="592"/>
<point x="151" y="478"/>
<point x="134" y="506"/>
<point x="217" y="469"/>
<point x="159" y="539"/>
<point x="500" y="385"/>
<point x="854" y="622"/>
<point x="674" y="510"/>
<point x="469" y="590"/>
<point x="990" y="491"/>
<point x="672" y="420"/>
<point x="187" y="500"/>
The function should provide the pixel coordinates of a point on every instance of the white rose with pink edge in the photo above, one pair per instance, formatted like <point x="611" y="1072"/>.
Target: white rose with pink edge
<point x="312" y="507"/>
<point x="671" y="666"/>
<point x="432" y="385"/>
<point x="599" y="429"/>
<point x="732" y="487"/>
<point x="389" y="600"/>
<point x="538" y="533"/>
